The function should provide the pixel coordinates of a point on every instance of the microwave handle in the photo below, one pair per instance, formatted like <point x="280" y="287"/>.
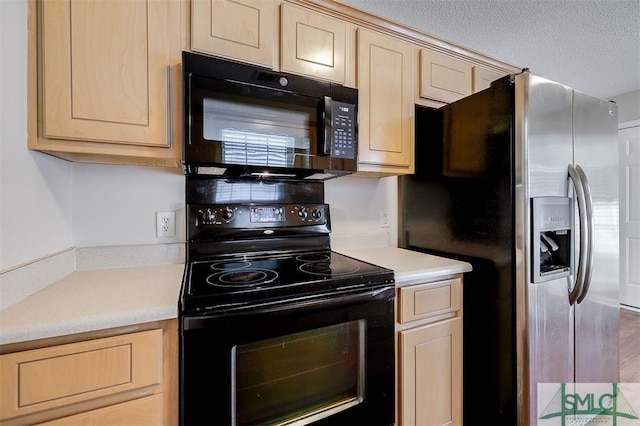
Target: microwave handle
<point x="326" y="133"/>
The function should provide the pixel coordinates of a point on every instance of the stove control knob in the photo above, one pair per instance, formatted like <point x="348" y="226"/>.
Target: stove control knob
<point x="303" y="212"/>
<point x="208" y="216"/>
<point x="316" y="213"/>
<point x="227" y="214"/>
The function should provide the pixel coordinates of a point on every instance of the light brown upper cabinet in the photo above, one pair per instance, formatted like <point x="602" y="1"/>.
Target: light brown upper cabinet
<point x="443" y="78"/>
<point x="107" y="85"/>
<point x="385" y="101"/>
<point x="105" y="81"/>
<point x="301" y="41"/>
<point x="244" y="30"/>
<point x="483" y="77"/>
<point x="313" y="44"/>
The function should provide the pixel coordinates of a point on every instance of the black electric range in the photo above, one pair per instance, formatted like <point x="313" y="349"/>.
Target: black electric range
<point x="240" y="281"/>
<point x="243" y="255"/>
<point x="280" y="328"/>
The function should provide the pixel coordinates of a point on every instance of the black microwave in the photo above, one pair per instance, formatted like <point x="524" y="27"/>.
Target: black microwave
<point x="249" y="122"/>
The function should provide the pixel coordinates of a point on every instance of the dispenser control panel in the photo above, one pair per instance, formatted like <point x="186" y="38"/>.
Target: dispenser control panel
<point x="551" y="238"/>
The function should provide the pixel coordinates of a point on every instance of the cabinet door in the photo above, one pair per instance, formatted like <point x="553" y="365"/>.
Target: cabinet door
<point x="431" y="374"/>
<point x="385" y="102"/>
<point x="442" y="77"/>
<point x="313" y="44"/>
<point x="105" y="71"/>
<point x="483" y="77"/>
<point x="235" y="29"/>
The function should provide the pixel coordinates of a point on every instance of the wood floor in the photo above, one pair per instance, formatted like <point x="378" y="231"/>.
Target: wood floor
<point x="629" y="346"/>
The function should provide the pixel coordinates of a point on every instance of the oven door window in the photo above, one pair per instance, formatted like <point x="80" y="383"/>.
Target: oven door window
<point x="300" y="377"/>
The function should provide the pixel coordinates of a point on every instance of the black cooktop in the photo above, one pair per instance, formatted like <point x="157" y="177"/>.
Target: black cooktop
<point x="228" y="283"/>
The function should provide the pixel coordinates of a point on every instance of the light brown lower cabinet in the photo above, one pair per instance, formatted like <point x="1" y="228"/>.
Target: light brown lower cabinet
<point x="430" y="353"/>
<point x="117" y="377"/>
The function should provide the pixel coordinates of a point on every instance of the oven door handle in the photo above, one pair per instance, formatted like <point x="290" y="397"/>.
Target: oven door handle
<point x="387" y="293"/>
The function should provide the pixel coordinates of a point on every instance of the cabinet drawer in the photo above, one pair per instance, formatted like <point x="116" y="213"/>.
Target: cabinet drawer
<point x="143" y="411"/>
<point x="425" y="300"/>
<point x="51" y="377"/>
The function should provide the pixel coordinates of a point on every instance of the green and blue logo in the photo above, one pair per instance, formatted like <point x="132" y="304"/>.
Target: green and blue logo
<point x="588" y="403"/>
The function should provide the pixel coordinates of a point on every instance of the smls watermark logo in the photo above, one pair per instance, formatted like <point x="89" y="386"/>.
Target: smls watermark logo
<point x="569" y="404"/>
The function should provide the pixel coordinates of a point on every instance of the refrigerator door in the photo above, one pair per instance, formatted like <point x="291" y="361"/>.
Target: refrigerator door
<point x="597" y="311"/>
<point x="545" y="138"/>
<point x="459" y="204"/>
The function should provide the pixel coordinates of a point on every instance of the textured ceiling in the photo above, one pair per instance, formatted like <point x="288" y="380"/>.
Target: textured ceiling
<point x="590" y="45"/>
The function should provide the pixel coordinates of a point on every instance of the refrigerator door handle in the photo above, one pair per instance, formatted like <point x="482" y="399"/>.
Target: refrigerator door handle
<point x="584" y="237"/>
<point x="591" y="231"/>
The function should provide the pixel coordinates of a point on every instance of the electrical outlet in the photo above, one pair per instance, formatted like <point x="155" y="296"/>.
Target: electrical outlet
<point x="165" y="224"/>
<point x="384" y="219"/>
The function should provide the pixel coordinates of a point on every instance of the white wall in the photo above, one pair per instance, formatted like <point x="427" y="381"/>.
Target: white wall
<point x="48" y="205"/>
<point x="35" y="189"/>
<point x="116" y="205"/>
<point x="357" y="202"/>
<point x="628" y="106"/>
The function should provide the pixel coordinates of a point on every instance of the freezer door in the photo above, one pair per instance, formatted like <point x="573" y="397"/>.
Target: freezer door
<point x="549" y="137"/>
<point x="597" y="313"/>
<point x="544" y="114"/>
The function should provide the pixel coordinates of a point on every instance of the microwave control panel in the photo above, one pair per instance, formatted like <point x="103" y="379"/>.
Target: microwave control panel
<point x="343" y="130"/>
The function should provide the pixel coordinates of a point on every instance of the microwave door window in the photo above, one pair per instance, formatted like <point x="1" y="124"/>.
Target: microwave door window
<point x="244" y="147"/>
<point x="259" y="134"/>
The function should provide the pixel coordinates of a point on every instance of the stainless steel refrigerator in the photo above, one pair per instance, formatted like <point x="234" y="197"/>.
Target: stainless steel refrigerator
<point x="520" y="180"/>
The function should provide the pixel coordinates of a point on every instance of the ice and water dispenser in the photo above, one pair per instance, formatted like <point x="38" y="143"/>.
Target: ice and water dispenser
<point x="552" y="244"/>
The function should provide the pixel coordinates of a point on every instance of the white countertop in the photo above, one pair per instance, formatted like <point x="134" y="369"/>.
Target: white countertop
<point x="409" y="266"/>
<point x="98" y="299"/>
<point x="92" y="300"/>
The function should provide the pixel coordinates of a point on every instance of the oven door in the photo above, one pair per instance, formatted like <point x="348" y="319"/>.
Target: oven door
<point x="328" y="361"/>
